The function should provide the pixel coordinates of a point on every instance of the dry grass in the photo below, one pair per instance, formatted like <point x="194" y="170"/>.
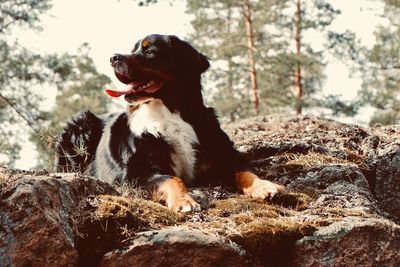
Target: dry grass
<point x="386" y="133"/>
<point x="240" y="210"/>
<point x="229" y="217"/>
<point x="290" y="162"/>
<point x="106" y="222"/>
<point x="356" y="158"/>
<point x="132" y="191"/>
<point x="3" y="173"/>
<point x="5" y="176"/>
<point x="313" y="159"/>
<point x="146" y="213"/>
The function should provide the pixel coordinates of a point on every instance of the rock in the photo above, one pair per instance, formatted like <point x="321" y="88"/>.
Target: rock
<point x="352" y="241"/>
<point x="353" y="175"/>
<point x="308" y="153"/>
<point x="35" y="217"/>
<point x="176" y="247"/>
<point x="341" y="207"/>
<point x="386" y="164"/>
<point x="106" y="222"/>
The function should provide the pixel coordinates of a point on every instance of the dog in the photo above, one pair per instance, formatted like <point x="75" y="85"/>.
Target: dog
<point x="167" y="139"/>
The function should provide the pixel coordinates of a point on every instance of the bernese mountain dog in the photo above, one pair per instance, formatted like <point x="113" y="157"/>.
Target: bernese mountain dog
<point x="167" y="139"/>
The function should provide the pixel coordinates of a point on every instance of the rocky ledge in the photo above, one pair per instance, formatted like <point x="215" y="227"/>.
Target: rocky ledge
<point x="341" y="208"/>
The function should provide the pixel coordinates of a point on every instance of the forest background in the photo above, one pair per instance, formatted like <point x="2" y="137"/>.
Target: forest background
<point x="330" y="58"/>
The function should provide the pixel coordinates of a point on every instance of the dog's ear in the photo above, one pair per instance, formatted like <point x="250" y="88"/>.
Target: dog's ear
<point x="188" y="56"/>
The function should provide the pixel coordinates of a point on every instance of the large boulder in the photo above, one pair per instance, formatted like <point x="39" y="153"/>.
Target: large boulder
<point x="353" y="175"/>
<point x="36" y="225"/>
<point x="384" y="160"/>
<point x="311" y="154"/>
<point x="175" y="247"/>
<point x="340" y="208"/>
<point x="352" y="241"/>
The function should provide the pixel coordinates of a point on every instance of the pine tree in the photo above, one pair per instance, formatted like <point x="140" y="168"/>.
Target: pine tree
<point x="266" y="39"/>
<point x="231" y="34"/>
<point x="305" y="62"/>
<point x="24" y="75"/>
<point x="20" y="70"/>
<point x="381" y="70"/>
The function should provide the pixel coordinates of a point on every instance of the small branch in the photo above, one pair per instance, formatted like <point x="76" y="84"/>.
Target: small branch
<point x="19" y="113"/>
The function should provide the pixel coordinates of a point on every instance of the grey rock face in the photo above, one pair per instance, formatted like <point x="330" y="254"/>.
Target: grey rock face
<point x="342" y="207"/>
<point x="35" y="217"/>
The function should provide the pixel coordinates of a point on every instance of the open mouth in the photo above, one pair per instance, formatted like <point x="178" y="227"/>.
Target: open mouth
<point x="136" y="88"/>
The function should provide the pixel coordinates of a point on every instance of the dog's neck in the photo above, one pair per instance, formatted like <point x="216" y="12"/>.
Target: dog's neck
<point x="188" y="100"/>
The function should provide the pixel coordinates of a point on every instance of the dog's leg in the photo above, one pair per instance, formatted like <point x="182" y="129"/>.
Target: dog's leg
<point x="173" y="192"/>
<point x="251" y="185"/>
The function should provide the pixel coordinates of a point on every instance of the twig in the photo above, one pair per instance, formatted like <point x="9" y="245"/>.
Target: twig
<point x="19" y="113"/>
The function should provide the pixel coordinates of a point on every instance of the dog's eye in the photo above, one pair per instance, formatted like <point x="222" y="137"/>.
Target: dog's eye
<point x="149" y="52"/>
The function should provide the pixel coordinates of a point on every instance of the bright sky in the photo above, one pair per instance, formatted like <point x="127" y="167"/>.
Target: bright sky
<point x="112" y="26"/>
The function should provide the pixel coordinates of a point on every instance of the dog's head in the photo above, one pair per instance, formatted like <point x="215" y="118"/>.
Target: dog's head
<point x="157" y="65"/>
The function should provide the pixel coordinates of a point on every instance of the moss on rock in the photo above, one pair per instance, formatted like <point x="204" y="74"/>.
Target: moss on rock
<point x="244" y="205"/>
<point x="105" y="222"/>
<point x="148" y="214"/>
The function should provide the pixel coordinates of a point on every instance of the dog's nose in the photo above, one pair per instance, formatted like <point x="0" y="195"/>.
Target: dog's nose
<point x="115" y="57"/>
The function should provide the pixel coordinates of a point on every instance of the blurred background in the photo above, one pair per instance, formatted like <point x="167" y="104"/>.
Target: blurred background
<point x="331" y="58"/>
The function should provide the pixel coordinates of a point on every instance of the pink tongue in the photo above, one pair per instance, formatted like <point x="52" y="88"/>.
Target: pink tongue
<point x="118" y="93"/>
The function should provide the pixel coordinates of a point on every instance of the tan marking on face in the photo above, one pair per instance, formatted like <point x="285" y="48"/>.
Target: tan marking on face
<point x="145" y="43"/>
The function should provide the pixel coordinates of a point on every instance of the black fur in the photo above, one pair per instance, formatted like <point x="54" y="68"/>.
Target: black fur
<point x="84" y="131"/>
<point x="141" y="159"/>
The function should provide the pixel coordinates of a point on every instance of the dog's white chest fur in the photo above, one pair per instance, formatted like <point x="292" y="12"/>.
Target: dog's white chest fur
<point x="156" y="119"/>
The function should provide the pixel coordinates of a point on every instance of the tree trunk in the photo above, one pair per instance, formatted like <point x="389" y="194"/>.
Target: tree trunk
<point x="229" y="58"/>
<point x="298" y="86"/>
<point x="250" y="46"/>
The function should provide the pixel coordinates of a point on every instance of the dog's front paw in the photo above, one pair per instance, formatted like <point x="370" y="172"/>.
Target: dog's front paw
<point x="183" y="203"/>
<point x="253" y="186"/>
<point x="263" y="189"/>
<point x="173" y="192"/>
